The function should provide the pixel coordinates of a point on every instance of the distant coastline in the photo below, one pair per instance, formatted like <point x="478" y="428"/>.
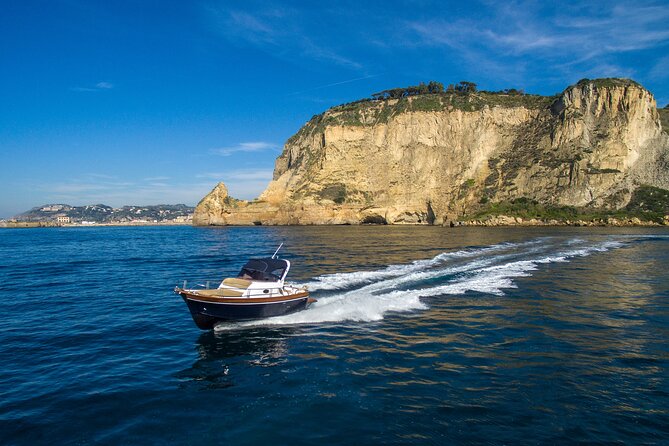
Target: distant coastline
<point x="45" y="224"/>
<point x="64" y="215"/>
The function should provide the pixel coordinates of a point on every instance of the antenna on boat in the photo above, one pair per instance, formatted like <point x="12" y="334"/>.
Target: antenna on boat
<point x="277" y="250"/>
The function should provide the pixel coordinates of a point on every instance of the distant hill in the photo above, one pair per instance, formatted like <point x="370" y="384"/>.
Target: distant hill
<point x="100" y="213"/>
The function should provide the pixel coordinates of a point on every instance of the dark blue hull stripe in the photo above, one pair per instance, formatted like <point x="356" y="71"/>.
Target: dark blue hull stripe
<point x="206" y="314"/>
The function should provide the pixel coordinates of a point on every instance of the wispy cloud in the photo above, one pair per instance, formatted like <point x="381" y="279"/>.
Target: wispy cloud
<point x="568" y="39"/>
<point x="280" y="32"/>
<point x="522" y="30"/>
<point x="661" y="69"/>
<point x="253" y="146"/>
<point x="100" y="86"/>
<point x="242" y="183"/>
<point x="348" y="81"/>
<point x="239" y="175"/>
<point x="319" y="52"/>
<point x="94" y="188"/>
<point x="258" y="31"/>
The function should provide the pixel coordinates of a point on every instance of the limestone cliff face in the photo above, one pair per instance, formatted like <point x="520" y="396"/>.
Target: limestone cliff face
<point x="433" y="158"/>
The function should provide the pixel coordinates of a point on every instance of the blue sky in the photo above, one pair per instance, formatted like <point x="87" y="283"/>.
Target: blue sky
<point x="147" y="102"/>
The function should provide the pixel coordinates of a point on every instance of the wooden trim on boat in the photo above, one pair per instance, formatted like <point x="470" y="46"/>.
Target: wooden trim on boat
<point x="240" y="300"/>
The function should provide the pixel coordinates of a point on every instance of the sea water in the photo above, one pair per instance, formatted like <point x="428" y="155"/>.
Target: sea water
<point x="421" y="335"/>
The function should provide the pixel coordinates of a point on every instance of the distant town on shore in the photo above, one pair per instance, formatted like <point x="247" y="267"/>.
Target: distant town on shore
<point x="99" y="214"/>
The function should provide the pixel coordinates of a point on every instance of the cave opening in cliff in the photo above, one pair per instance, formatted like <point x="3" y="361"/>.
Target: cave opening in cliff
<point x="430" y="214"/>
<point x="374" y="220"/>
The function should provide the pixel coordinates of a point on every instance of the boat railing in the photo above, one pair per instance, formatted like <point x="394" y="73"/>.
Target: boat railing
<point x="256" y="292"/>
<point x="273" y="291"/>
<point x="202" y="284"/>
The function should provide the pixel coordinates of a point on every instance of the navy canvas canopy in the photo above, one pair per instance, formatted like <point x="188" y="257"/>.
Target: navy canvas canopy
<point x="264" y="269"/>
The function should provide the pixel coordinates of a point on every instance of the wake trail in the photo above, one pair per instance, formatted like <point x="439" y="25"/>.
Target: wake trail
<point x="404" y="288"/>
<point x="340" y="281"/>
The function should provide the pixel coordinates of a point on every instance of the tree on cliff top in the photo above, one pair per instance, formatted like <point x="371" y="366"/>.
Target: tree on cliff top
<point x="466" y="87"/>
<point x="433" y="87"/>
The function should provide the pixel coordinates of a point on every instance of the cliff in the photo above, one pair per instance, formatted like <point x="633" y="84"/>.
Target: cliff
<point x="432" y="158"/>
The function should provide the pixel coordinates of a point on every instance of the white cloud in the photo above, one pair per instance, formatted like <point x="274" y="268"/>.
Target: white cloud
<point x="100" y="86"/>
<point x="249" y="175"/>
<point x="244" y="184"/>
<point x="95" y="188"/>
<point x="110" y="190"/>
<point x="247" y="184"/>
<point x="572" y="37"/>
<point x="243" y="174"/>
<point x="253" y="25"/>
<point x="252" y="146"/>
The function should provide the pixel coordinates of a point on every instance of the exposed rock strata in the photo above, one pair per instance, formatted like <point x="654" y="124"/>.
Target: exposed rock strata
<point x="431" y="159"/>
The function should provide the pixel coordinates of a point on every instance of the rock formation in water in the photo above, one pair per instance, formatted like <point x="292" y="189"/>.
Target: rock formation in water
<point x="436" y="157"/>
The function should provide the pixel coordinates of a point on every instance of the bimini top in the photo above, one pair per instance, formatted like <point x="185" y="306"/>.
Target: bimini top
<point x="271" y="270"/>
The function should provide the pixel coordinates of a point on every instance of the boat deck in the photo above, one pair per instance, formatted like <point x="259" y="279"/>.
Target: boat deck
<point x="218" y="292"/>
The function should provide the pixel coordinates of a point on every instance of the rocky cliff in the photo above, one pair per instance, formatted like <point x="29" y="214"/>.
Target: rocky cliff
<point x="433" y="158"/>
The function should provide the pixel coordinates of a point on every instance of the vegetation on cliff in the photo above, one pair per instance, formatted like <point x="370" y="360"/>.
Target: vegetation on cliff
<point x="648" y="203"/>
<point x="430" y="97"/>
<point x="371" y="112"/>
<point x="608" y="82"/>
<point x="664" y="118"/>
<point x="381" y="107"/>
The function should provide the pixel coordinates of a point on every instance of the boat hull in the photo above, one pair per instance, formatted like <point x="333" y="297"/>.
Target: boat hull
<point x="206" y="312"/>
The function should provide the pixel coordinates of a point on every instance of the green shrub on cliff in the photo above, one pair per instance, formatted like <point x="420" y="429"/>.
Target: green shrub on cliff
<point x="664" y="118"/>
<point x="608" y="82"/>
<point x="427" y="103"/>
<point x="650" y="202"/>
<point x="527" y="208"/>
<point x="335" y="192"/>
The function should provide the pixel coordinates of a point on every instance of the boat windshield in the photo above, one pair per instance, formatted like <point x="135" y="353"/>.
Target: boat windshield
<point x="264" y="269"/>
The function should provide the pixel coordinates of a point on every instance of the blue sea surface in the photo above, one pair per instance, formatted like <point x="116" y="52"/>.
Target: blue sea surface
<point x="421" y="335"/>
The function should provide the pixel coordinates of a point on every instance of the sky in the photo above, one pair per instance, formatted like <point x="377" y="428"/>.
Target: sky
<point x="154" y="102"/>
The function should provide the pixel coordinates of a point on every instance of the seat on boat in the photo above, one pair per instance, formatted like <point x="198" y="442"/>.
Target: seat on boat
<point x="237" y="283"/>
<point x="220" y="292"/>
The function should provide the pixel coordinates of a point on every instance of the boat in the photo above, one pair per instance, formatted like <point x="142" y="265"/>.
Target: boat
<point x="259" y="291"/>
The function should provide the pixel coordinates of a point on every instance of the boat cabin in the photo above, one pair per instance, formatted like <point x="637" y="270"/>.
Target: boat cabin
<point x="265" y="270"/>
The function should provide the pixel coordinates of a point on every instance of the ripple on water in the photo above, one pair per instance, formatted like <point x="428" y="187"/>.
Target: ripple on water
<point x="420" y="335"/>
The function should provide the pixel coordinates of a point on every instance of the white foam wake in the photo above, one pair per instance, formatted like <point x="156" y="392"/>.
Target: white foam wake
<point x="397" y="288"/>
<point x="494" y="279"/>
<point x="339" y="281"/>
